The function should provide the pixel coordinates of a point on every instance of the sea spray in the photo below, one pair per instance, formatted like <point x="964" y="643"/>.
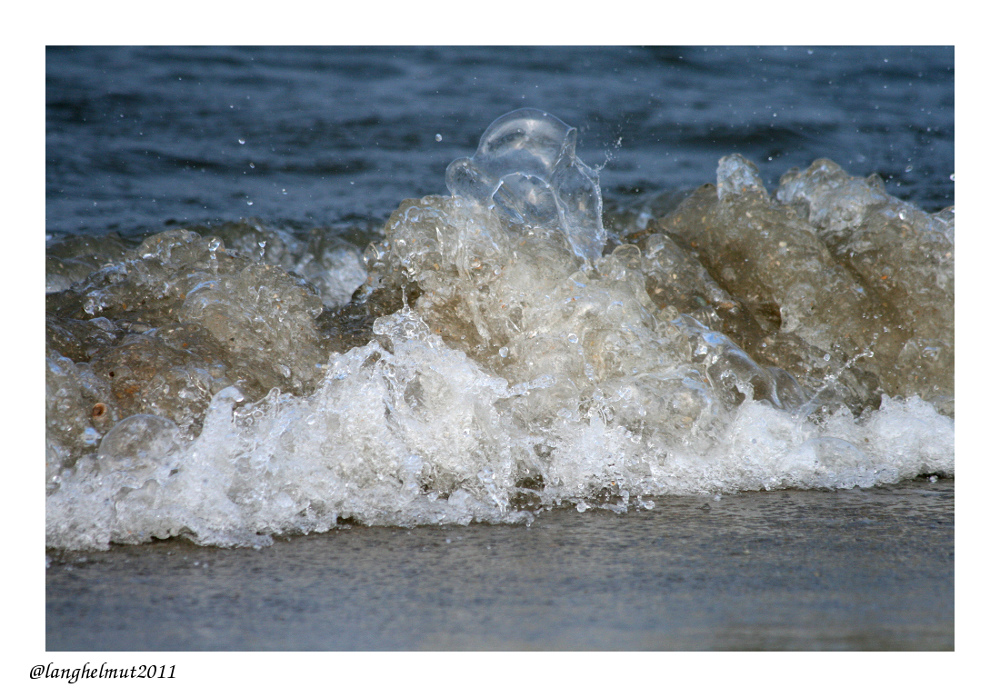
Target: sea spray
<point x="499" y="356"/>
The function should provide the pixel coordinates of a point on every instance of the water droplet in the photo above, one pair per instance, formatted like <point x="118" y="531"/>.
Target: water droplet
<point x="438" y="137"/>
<point x="504" y="352"/>
<point x="251" y="165"/>
<point x="573" y="338"/>
<point x="242" y="141"/>
<point x="249" y="203"/>
<point x="91" y="436"/>
<point x="952" y="177"/>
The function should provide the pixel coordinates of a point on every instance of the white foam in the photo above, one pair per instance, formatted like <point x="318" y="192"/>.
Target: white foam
<point x="422" y="435"/>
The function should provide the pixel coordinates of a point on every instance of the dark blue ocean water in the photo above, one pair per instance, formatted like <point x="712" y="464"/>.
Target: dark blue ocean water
<point x="142" y="138"/>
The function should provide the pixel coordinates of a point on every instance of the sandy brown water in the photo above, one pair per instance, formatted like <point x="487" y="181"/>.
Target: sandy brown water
<point x="786" y="570"/>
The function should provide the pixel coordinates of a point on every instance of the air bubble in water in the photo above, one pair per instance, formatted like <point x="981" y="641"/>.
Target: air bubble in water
<point x="526" y="166"/>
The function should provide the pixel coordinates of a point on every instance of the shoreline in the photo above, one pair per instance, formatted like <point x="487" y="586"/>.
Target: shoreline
<point x="859" y="569"/>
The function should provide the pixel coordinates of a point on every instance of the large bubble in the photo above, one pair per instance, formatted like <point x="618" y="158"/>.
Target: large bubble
<point x="526" y="169"/>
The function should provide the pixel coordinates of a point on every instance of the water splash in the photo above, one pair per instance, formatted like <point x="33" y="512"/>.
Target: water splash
<point x="527" y="170"/>
<point x="482" y="373"/>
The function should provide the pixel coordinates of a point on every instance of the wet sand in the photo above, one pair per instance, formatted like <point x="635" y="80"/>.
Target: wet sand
<point x="786" y="570"/>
